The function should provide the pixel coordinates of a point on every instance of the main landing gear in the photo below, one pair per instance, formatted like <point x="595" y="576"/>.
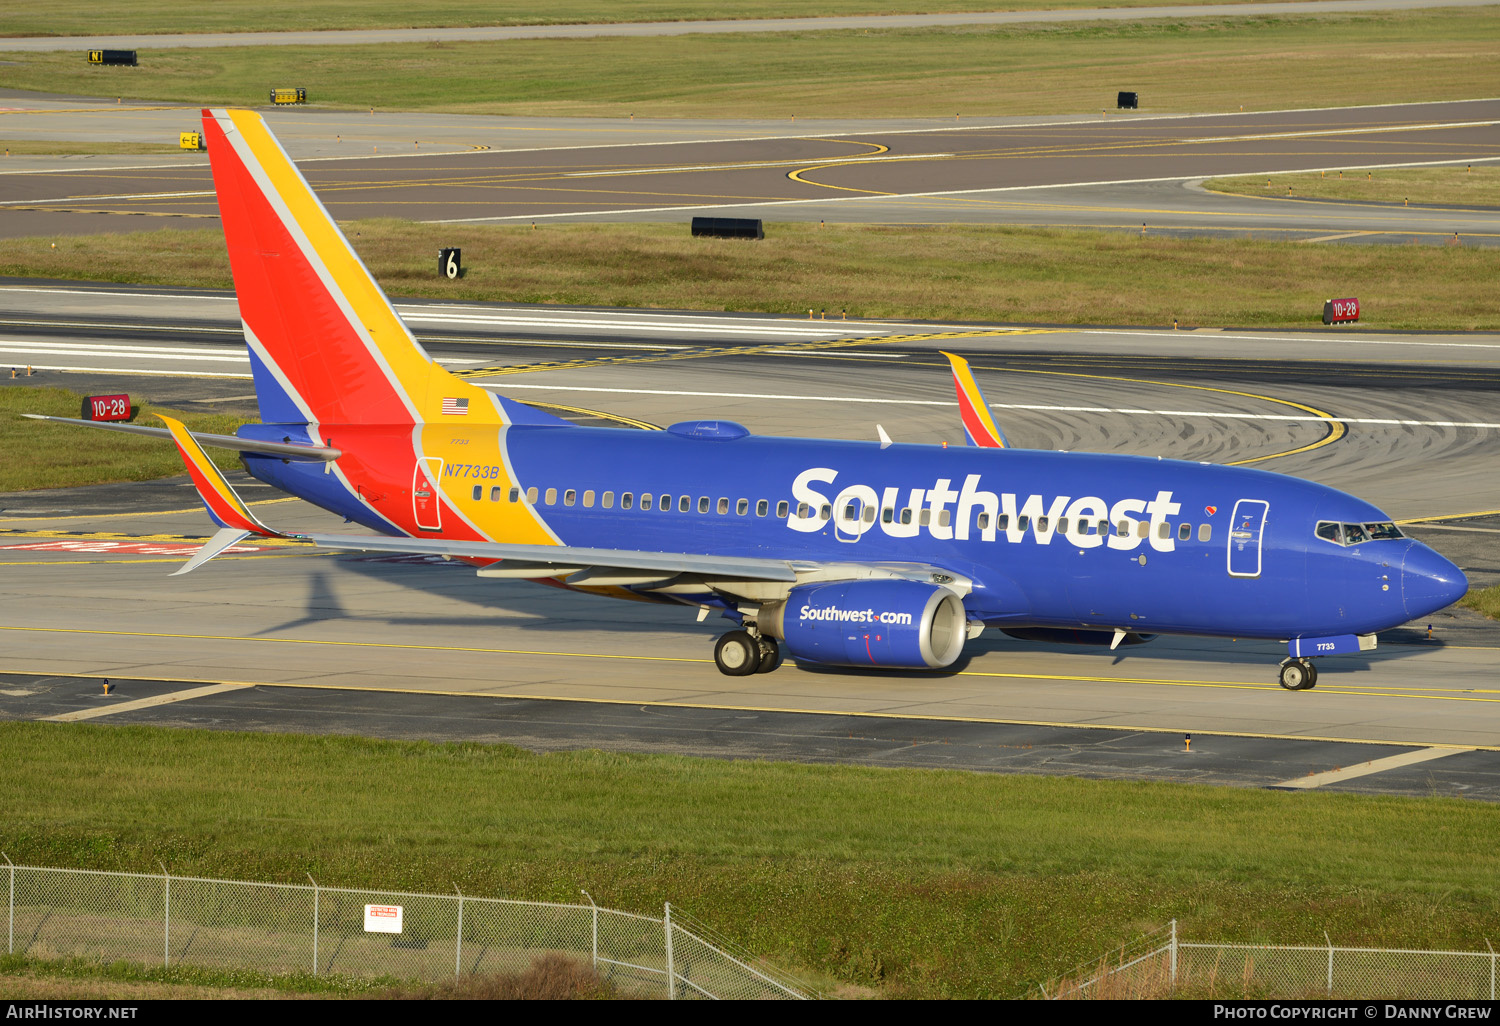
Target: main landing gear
<point x="740" y="653"/>
<point x="1298" y="674"/>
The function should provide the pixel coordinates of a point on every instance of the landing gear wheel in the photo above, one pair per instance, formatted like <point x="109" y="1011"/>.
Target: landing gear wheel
<point x="770" y="654"/>
<point x="737" y="654"/>
<point x="1298" y="674"/>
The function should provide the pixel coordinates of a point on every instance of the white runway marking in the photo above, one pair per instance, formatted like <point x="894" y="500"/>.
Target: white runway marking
<point x="143" y="703"/>
<point x="1364" y="769"/>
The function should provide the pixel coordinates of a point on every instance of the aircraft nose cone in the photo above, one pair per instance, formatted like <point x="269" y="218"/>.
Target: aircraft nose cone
<point x="1429" y="582"/>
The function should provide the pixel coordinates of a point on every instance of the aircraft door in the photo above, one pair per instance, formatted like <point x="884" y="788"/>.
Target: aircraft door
<point x="426" y="496"/>
<point x="1246" y="530"/>
<point x="849" y="517"/>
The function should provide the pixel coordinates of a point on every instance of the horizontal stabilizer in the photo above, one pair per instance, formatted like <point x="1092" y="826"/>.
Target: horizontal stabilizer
<point x="287" y="450"/>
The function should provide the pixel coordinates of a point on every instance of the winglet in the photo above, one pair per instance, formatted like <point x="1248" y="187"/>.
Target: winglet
<point x="234" y="518"/>
<point x="978" y="424"/>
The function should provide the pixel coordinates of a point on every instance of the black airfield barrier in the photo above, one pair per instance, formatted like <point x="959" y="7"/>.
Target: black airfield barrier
<point x="728" y="227"/>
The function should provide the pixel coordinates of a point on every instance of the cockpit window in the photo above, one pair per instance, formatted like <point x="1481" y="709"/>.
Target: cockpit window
<point x="1354" y="534"/>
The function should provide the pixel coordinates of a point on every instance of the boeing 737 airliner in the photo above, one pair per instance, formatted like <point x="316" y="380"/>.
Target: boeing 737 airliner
<point x="837" y="553"/>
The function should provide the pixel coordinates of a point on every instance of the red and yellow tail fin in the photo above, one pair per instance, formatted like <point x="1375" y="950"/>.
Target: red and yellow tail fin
<point x="978" y="424"/>
<point x="326" y="345"/>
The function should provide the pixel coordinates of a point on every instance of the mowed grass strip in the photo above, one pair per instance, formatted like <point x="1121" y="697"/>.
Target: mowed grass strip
<point x="35" y="454"/>
<point x="50" y="147"/>
<point x="1209" y="64"/>
<point x="954" y="272"/>
<point x="78" y="17"/>
<point x="1461" y="185"/>
<point x="921" y="883"/>
<point x="1483" y="600"/>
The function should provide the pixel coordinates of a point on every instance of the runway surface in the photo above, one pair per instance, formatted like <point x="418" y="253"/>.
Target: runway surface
<point x="1113" y="171"/>
<point x="430" y="650"/>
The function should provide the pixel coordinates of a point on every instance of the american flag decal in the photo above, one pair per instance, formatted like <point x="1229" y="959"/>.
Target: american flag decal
<point x="455" y="407"/>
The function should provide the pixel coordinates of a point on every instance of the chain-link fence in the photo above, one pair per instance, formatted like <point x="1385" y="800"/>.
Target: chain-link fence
<point x="286" y="928"/>
<point x="1161" y="963"/>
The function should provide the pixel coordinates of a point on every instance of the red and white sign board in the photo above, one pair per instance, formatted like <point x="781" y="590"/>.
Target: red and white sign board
<point x="1340" y="311"/>
<point x="382" y="919"/>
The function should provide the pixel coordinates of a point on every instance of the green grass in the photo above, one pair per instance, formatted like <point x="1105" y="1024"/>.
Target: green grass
<point x="1483" y="600"/>
<point x="920" y="883"/>
<point x="1207" y="64"/>
<point x="75" y="17"/>
<point x="956" y="272"/>
<point x="34" y="454"/>
<point x="1456" y="185"/>
<point x="58" y="147"/>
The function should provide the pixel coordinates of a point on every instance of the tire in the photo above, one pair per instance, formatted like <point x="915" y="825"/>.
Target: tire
<point x="1297" y="675"/>
<point x="736" y="654"/>
<point x="770" y="655"/>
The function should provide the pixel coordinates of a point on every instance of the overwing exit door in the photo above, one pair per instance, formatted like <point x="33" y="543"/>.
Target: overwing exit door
<point x="1246" y="530"/>
<point x="426" y="502"/>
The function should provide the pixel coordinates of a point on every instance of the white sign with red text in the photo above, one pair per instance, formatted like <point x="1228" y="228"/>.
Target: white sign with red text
<point x="382" y="919"/>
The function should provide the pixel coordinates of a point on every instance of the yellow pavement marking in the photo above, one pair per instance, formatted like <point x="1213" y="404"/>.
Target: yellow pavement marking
<point x="1364" y="769"/>
<point x="1367" y="690"/>
<point x="860" y="714"/>
<point x="143" y="703"/>
<point x="1451" y="516"/>
<point x="770" y="347"/>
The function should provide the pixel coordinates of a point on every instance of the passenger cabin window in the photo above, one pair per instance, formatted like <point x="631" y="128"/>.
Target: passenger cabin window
<point x="552" y="496"/>
<point x="1062" y="525"/>
<point x="478" y="492"/>
<point x="1104" y="527"/>
<point x="850" y="513"/>
<point x="703" y="504"/>
<point x="888" y="516"/>
<point x="531" y="495"/>
<point x="1164" y="530"/>
<point x="1123" y="529"/>
<point x="742" y="507"/>
<point x="665" y="503"/>
<point x="588" y="499"/>
<point x="1041" y="525"/>
<point x="826" y="512"/>
<point x="645" y="500"/>
<point x="762" y="507"/>
<point x="1022" y="522"/>
<point x="984" y="521"/>
<point x="685" y="504"/>
<point x="515" y="495"/>
<point x="1184" y="532"/>
<point x="926" y="518"/>
<point x="869" y="516"/>
<point x="783" y="509"/>
<point x="723" y="506"/>
<point x="627" y="499"/>
<point x="570" y="496"/>
<point x="607" y="500"/>
<point x="803" y="511"/>
<point x="1205" y="532"/>
<point x="495" y="493"/>
<point x="906" y="515"/>
<point x="1143" y="529"/>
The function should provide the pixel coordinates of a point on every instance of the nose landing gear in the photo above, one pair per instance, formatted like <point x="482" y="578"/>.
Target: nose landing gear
<point x="1297" y="674"/>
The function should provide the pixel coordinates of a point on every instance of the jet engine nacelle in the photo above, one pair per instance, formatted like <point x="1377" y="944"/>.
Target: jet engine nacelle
<point x="869" y="623"/>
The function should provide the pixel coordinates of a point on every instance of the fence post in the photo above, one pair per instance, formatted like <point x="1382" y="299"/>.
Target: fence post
<point x="11" y="918"/>
<point x="671" y="970"/>
<point x="1174" y="954"/>
<point x="1486" y="944"/>
<point x="315" y="923"/>
<point x="1330" y="962"/>
<point x="589" y="896"/>
<point x="166" y="931"/>
<point x="458" y="955"/>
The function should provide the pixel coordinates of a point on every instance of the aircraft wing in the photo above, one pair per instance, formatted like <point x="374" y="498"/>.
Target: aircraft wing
<point x="549" y="560"/>
<point x="316" y="453"/>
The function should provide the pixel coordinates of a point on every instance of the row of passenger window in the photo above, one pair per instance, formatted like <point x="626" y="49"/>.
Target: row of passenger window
<point x="851" y="513"/>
